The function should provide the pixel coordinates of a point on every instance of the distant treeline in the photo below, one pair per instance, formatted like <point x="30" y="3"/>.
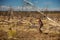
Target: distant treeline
<point x="36" y="11"/>
<point x="6" y="13"/>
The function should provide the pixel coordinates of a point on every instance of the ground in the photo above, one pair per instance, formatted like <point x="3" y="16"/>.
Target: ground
<point x="26" y="26"/>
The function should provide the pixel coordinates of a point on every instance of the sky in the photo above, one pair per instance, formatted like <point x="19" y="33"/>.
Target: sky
<point x="49" y="4"/>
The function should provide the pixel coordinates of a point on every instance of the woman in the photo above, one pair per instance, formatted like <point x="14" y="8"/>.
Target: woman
<point x="41" y="25"/>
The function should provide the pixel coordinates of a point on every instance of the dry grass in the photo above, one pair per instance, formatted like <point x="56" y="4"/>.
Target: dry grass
<point x="24" y="27"/>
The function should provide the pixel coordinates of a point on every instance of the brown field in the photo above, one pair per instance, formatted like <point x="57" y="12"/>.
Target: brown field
<point x="20" y="25"/>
